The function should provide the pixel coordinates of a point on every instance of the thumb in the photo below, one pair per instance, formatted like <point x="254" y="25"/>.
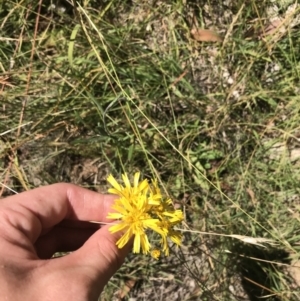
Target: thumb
<point x="101" y="255"/>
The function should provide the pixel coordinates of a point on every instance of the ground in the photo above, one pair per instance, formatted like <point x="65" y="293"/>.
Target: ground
<point x="203" y="95"/>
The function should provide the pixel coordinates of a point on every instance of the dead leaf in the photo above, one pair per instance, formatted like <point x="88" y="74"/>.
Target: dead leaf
<point x="205" y="35"/>
<point x="123" y="292"/>
<point x="252" y="196"/>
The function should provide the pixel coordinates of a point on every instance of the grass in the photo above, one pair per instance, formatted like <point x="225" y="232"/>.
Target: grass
<point x="95" y="88"/>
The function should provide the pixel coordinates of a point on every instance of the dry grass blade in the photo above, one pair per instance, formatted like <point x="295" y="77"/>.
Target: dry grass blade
<point x="258" y="241"/>
<point x="4" y="81"/>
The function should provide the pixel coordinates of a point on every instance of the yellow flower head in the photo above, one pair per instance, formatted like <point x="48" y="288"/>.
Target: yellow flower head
<point x="140" y="208"/>
<point x="155" y="253"/>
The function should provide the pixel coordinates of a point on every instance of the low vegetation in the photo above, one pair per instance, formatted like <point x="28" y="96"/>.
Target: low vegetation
<point x="202" y="95"/>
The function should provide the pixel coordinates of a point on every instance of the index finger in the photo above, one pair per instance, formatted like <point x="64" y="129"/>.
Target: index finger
<point x="44" y="207"/>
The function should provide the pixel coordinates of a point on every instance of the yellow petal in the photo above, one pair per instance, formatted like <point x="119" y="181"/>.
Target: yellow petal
<point x="115" y="191"/>
<point x="114" y="183"/>
<point x="114" y="215"/>
<point x="124" y="240"/>
<point x="137" y="244"/>
<point x="155" y="226"/>
<point x="126" y="180"/>
<point x="136" y="179"/>
<point x="117" y="227"/>
<point x="143" y="185"/>
<point x="176" y="237"/>
<point x="144" y="243"/>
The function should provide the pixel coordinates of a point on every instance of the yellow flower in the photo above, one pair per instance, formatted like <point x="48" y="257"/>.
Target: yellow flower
<point x="155" y="253"/>
<point x="174" y="235"/>
<point x="139" y="209"/>
<point x="134" y="222"/>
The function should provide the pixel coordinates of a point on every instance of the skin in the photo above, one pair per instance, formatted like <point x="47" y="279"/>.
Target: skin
<point x="36" y="224"/>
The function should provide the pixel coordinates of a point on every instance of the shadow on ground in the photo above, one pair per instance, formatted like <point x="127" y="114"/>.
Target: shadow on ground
<point x="259" y="274"/>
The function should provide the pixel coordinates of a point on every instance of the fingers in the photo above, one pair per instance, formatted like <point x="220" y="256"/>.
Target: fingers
<point x="42" y="208"/>
<point x="82" y="274"/>
<point x="63" y="239"/>
<point x="101" y="256"/>
<point x="35" y="217"/>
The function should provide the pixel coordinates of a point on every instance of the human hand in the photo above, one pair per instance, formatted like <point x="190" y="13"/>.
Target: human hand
<point x="36" y="224"/>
